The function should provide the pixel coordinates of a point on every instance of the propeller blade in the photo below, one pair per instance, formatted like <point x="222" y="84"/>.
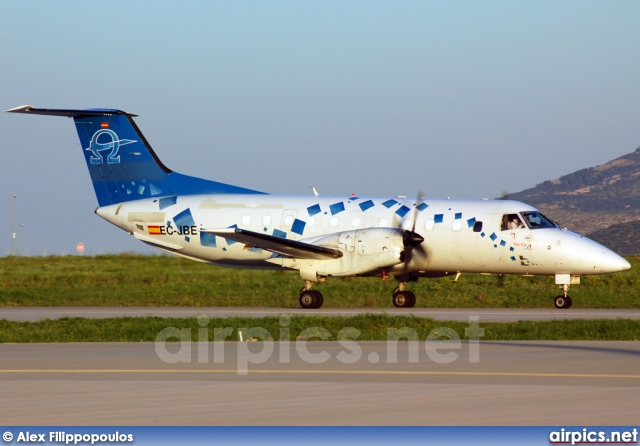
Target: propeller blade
<point x="410" y="238"/>
<point x="419" y="201"/>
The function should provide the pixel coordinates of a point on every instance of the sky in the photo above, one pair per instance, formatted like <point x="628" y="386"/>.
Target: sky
<point x="461" y="99"/>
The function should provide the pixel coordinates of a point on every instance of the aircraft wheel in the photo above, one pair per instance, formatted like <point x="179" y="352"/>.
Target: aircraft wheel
<point x="307" y="299"/>
<point x="311" y="299"/>
<point x="319" y="299"/>
<point x="562" y="301"/>
<point x="404" y="299"/>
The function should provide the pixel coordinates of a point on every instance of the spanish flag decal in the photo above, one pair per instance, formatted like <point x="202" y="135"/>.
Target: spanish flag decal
<point x="104" y="125"/>
<point x="154" y="230"/>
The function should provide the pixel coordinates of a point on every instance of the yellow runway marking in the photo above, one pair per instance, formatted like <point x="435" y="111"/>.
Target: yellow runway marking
<point x="326" y="372"/>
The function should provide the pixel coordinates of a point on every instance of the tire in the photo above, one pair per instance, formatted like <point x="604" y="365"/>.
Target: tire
<point x="562" y="302"/>
<point x="404" y="299"/>
<point x="319" y="299"/>
<point x="412" y="299"/>
<point x="311" y="299"/>
<point x="308" y="299"/>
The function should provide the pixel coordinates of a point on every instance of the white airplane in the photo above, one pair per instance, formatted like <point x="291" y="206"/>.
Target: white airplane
<point x="321" y="236"/>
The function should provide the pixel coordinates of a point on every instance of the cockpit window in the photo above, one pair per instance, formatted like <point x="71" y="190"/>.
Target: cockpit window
<point x="537" y="220"/>
<point x="511" y="221"/>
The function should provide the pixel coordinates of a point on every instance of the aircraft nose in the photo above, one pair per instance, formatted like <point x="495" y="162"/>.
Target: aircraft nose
<point x="612" y="262"/>
<point x="590" y="257"/>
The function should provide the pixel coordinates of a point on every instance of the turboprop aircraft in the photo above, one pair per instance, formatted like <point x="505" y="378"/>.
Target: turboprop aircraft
<point x="320" y="236"/>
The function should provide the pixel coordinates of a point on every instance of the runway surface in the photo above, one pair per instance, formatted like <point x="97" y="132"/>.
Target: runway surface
<point x="450" y="314"/>
<point x="321" y="383"/>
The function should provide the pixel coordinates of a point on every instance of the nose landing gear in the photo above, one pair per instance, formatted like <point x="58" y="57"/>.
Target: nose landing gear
<point x="563" y="301"/>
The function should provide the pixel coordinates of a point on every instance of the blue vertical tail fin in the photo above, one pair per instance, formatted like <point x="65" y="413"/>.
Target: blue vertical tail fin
<point x="122" y="164"/>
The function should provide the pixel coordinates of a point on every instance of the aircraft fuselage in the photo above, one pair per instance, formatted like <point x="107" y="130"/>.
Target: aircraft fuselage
<point x="459" y="235"/>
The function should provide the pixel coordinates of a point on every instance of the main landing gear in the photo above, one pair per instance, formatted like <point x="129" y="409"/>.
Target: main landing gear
<point x="563" y="301"/>
<point x="313" y="299"/>
<point x="402" y="297"/>
<point x="310" y="298"/>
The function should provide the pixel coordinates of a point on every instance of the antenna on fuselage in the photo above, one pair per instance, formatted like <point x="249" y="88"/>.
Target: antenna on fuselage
<point x="315" y="191"/>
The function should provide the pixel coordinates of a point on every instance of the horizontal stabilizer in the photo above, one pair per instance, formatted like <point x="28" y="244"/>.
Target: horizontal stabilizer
<point x="70" y="113"/>
<point x="289" y="248"/>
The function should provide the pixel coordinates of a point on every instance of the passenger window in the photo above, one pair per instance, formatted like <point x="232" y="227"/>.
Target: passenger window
<point x="288" y="220"/>
<point x="511" y="222"/>
<point x="429" y="224"/>
<point x="477" y="226"/>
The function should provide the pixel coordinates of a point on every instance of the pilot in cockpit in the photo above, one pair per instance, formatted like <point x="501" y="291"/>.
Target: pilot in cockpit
<point x="515" y="223"/>
<point x="511" y="221"/>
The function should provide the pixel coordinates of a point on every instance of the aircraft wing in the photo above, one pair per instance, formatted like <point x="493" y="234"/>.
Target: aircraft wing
<point x="285" y="247"/>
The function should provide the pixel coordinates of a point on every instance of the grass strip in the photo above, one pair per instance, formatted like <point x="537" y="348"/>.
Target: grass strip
<point x="129" y="280"/>
<point x="371" y="327"/>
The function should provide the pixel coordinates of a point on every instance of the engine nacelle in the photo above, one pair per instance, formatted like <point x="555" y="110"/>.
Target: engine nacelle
<point x="364" y="251"/>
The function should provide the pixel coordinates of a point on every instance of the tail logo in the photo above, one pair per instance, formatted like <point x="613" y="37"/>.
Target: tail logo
<point x="109" y="141"/>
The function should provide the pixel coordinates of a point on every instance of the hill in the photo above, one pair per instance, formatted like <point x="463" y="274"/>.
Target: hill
<point x="601" y="202"/>
<point x="622" y="238"/>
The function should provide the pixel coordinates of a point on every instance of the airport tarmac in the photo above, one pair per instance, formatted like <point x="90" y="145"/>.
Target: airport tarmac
<point x="321" y="383"/>
<point x="447" y="314"/>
